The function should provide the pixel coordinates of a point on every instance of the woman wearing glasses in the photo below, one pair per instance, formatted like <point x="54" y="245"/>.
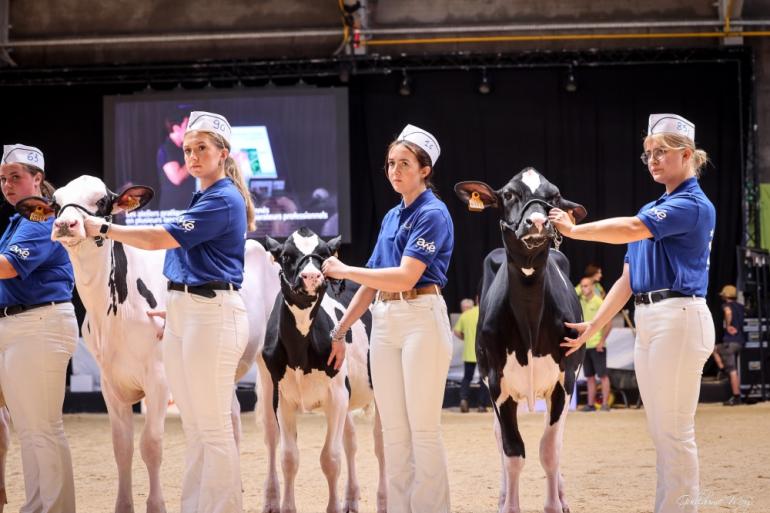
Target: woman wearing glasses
<point x="38" y="332"/>
<point x="666" y="269"/>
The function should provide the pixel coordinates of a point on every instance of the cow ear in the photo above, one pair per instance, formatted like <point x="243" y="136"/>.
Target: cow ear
<point x="35" y="208"/>
<point x="576" y="210"/>
<point x="132" y="198"/>
<point x="477" y="195"/>
<point x="273" y="246"/>
<point x="334" y="245"/>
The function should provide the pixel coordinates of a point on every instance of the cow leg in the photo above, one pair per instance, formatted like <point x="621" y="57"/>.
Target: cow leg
<point x="289" y="453"/>
<point x="513" y="454"/>
<point x="5" y="442"/>
<point x="336" y="409"/>
<point x="267" y="414"/>
<point x="151" y="443"/>
<point x="550" y="451"/>
<point x="379" y="451"/>
<point x="352" y="490"/>
<point x="122" y="423"/>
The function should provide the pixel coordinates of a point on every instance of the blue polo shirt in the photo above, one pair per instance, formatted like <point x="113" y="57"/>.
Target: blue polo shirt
<point x="424" y="231"/>
<point x="677" y="255"/>
<point x="42" y="265"/>
<point x="211" y="235"/>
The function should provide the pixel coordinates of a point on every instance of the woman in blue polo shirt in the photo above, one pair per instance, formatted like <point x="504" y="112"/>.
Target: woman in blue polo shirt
<point x="38" y="333"/>
<point x="206" y="325"/>
<point x="411" y="341"/>
<point x="666" y="268"/>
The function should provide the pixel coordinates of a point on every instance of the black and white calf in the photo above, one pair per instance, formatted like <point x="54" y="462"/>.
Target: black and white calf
<point x="526" y="297"/>
<point x="297" y="347"/>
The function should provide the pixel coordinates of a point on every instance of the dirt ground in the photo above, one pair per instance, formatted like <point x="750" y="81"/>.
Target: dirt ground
<point x="608" y="462"/>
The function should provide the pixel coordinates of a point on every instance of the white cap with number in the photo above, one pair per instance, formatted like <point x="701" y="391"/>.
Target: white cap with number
<point x="22" y="154"/>
<point x="423" y="139"/>
<point x="209" y="122"/>
<point x="670" y="124"/>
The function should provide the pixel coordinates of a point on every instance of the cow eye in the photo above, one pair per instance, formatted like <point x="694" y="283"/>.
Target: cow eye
<point x="507" y="195"/>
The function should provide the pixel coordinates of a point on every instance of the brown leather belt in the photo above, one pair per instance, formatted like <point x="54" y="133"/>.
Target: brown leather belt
<point x="409" y="294"/>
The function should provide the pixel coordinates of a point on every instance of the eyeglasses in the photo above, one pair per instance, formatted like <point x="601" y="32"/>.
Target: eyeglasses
<point x="655" y="155"/>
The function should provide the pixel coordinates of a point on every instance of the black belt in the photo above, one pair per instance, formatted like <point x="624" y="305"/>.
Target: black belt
<point x="17" y="309"/>
<point x="646" y="298"/>
<point x="204" y="289"/>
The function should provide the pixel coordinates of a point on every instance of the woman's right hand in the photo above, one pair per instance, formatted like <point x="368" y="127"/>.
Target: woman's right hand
<point x="563" y="221"/>
<point x="575" y="343"/>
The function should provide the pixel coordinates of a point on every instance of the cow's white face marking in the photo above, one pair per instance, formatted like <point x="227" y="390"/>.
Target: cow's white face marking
<point x="531" y="179"/>
<point x="302" y="317"/>
<point x="528" y="271"/>
<point x="305" y="244"/>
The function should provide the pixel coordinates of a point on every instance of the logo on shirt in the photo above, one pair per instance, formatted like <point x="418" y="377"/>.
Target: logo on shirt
<point x="430" y="247"/>
<point x="187" y="225"/>
<point x="22" y="252"/>
<point x="658" y="213"/>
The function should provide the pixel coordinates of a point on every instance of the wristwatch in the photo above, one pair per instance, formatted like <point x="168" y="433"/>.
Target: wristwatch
<point x="104" y="228"/>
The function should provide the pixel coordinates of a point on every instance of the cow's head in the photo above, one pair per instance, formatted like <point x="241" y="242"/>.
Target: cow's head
<point x="83" y="195"/>
<point x="523" y="203"/>
<point x="300" y="258"/>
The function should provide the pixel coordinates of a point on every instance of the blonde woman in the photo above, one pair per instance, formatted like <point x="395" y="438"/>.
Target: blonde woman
<point x="206" y="325"/>
<point x="666" y="269"/>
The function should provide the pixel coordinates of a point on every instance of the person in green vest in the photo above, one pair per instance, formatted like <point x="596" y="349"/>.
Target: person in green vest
<point x="465" y="329"/>
<point x="595" y="360"/>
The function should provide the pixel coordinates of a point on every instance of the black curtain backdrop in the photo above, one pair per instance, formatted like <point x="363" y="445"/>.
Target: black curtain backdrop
<point x="586" y="142"/>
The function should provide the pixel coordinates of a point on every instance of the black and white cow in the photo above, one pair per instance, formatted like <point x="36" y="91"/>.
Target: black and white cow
<point x="118" y="284"/>
<point x="525" y="300"/>
<point x="297" y="347"/>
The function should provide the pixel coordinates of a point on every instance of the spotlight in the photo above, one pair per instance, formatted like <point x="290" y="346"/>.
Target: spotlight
<point x="405" y="89"/>
<point x="484" y="86"/>
<point x="571" y="85"/>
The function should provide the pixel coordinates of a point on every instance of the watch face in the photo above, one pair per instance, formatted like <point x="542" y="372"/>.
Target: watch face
<point x="103" y="229"/>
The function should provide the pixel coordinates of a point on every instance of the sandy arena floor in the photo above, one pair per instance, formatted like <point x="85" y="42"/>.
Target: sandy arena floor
<point x="608" y="462"/>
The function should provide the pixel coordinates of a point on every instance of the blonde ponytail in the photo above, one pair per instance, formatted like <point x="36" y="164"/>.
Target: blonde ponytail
<point x="234" y="173"/>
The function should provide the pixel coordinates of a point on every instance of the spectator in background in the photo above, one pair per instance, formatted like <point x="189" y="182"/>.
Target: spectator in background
<point x="465" y="330"/>
<point x="595" y="360"/>
<point x="733" y="339"/>
<point x="594" y="272"/>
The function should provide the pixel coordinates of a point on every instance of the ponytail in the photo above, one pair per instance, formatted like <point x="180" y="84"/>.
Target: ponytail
<point x="234" y="173"/>
<point x="46" y="188"/>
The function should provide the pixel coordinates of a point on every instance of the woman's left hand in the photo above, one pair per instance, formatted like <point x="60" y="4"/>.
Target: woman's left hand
<point x="563" y="221"/>
<point x="333" y="268"/>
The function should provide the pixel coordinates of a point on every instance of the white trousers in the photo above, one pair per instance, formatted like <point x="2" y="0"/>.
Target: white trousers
<point x="674" y="338"/>
<point x="411" y="348"/>
<point x="35" y="347"/>
<point x="202" y="343"/>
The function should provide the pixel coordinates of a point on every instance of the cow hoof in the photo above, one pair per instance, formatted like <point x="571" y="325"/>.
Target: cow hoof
<point x="464" y="408"/>
<point x="3" y="499"/>
<point x="350" y="506"/>
<point x="156" y="506"/>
